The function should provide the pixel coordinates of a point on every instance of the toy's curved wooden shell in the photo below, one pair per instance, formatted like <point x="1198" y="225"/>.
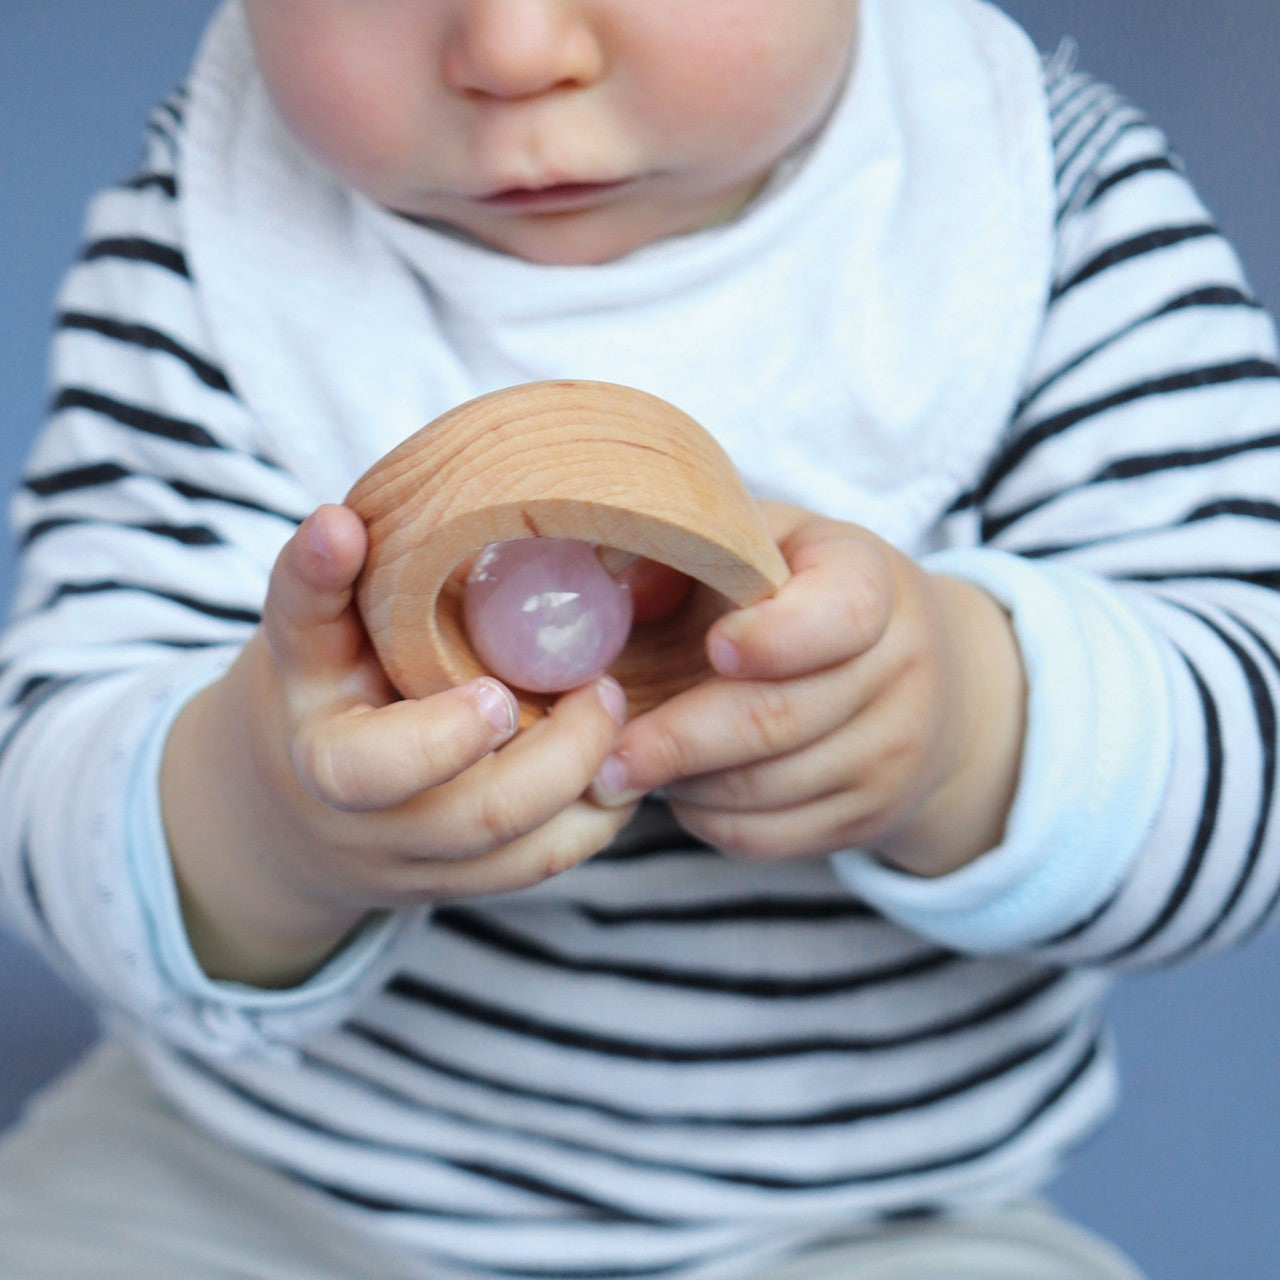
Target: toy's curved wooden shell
<point x="589" y="460"/>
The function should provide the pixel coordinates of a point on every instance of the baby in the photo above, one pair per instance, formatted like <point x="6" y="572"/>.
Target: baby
<point x="798" y="974"/>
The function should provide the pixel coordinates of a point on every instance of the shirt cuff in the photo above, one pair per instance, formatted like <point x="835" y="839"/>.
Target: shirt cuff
<point x="1095" y="760"/>
<point x="233" y="1017"/>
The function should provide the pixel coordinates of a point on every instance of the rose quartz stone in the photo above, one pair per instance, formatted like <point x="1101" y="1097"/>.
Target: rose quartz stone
<point x="543" y="615"/>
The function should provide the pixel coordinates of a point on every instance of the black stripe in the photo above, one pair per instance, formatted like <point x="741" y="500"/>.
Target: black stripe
<point x="1043" y="1105"/>
<point x="1123" y="121"/>
<point x="491" y="935"/>
<point x="969" y="1155"/>
<point x="32" y="686"/>
<point x="188" y="535"/>
<point x="177" y="642"/>
<point x="1209" y="803"/>
<point x="30" y="889"/>
<point x="1268" y="578"/>
<point x="1222" y="509"/>
<point x="1145" y="464"/>
<point x="165" y="135"/>
<point x="32" y="693"/>
<point x="486" y="1170"/>
<point x="139" y="335"/>
<point x="94" y="474"/>
<point x="135" y="417"/>
<point x="419" y="991"/>
<point x="1094" y="93"/>
<point x="208" y="608"/>
<point x="833" y="1116"/>
<point x="763" y="910"/>
<point x="1134" y="169"/>
<point x="1135" y="247"/>
<point x="84" y="477"/>
<point x="1249" y="508"/>
<point x="1006" y="1065"/>
<point x="137" y="249"/>
<point x="1134" y="468"/>
<point x="1265" y="714"/>
<point x="1107" y="109"/>
<point x="199" y="493"/>
<point x="1082" y="926"/>
<point x="174" y="107"/>
<point x="163" y="182"/>
<point x="1028" y="1118"/>
<point x="1205" y="296"/>
<point x="1031" y="437"/>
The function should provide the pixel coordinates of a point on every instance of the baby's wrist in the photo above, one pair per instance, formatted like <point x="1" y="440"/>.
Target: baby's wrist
<point x="245" y="918"/>
<point x="966" y="813"/>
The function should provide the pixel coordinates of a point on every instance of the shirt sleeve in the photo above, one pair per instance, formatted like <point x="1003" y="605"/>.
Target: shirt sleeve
<point x="147" y="521"/>
<point x="1130" y="526"/>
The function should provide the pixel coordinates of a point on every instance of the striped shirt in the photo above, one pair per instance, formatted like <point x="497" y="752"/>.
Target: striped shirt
<point x="666" y="1062"/>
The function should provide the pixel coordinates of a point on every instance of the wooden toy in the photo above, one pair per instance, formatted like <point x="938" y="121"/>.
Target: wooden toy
<point x="601" y="463"/>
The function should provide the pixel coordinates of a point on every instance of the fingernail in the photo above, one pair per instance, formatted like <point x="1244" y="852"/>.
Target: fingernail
<point x="612" y="782"/>
<point x="317" y="540"/>
<point x="724" y="654"/>
<point x="497" y="704"/>
<point x="614" y="699"/>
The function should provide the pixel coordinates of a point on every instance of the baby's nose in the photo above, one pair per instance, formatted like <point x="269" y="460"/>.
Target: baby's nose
<point x="521" y="48"/>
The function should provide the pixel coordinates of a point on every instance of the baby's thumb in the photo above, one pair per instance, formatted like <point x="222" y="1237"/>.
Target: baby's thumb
<point x="309" y="616"/>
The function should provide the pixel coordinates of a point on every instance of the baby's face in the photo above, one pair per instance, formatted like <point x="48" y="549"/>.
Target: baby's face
<point x="566" y="131"/>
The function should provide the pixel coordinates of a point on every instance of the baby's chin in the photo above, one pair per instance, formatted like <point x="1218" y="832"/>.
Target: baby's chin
<point x="556" y="239"/>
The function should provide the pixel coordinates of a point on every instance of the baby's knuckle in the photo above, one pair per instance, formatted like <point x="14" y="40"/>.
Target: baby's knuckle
<point x="738" y="788"/>
<point x="569" y="842"/>
<point x="324" y="771"/>
<point x="499" y="817"/>
<point x="558" y="857"/>
<point x="667" y="755"/>
<point x="771" y="719"/>
<point x="862" y="609"/>
<point x="731" y="834"/>
<point x="436" y="753"/>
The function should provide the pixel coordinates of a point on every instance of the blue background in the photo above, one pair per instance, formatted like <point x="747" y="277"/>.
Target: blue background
<point x="1184" y="1178"/>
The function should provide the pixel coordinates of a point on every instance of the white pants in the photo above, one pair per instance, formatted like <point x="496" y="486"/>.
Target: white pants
<point x="103" y="1179"/>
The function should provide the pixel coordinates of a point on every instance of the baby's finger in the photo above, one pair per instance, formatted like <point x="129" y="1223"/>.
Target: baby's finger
<point x="873" y="749"/>
<point x="843" y="820"/>
<point x="835" y="606"/>
<point x="308" y="617"/>
<point x="725" y="724"/>
<point x="369" y="758"/>
<point x="506" y="796"/>
<point x="568" y="838"/>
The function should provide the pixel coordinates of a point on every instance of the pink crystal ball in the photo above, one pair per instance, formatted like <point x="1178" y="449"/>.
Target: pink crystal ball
<point x="543" y="614"/>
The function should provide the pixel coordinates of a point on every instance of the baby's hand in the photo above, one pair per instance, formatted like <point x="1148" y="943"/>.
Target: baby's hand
<point x="868" y="703"/>
<point x="300" y="793"/>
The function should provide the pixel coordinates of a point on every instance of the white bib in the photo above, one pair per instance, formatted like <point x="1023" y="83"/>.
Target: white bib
<point x="855" y="340"/>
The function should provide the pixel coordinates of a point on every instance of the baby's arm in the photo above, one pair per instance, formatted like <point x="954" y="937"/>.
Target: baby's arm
<point x="150" y="517"/>
<point x="299" y="794"/>
<point x="1128" y="523"/>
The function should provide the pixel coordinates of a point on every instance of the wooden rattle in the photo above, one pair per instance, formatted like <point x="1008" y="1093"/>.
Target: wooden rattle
<point x="591" y="461"/>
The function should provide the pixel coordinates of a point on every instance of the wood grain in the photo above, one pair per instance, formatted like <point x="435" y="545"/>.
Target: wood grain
<point x="589" y="460"/>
